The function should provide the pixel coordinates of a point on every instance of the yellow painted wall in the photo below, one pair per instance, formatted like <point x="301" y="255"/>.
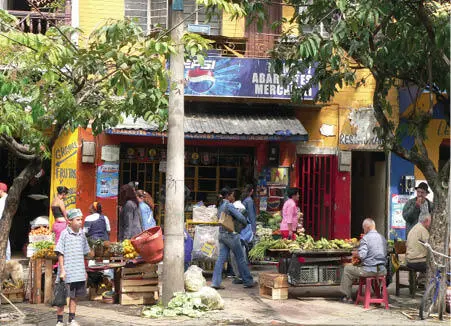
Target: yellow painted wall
<point x="436" y="132"/>
<point x="94" y="13"/>
<point x="288" y="12"/>
<point x="336" y="113"/>
<point x="232" y="28"/>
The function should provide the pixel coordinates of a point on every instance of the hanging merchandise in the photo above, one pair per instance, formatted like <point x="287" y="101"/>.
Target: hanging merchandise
<point x="206" y="158"/>
<point x="152" y="154"/>
<point x="131" y="153"/>
<point x="140" y="153"/>
<point x="194" y="158"/>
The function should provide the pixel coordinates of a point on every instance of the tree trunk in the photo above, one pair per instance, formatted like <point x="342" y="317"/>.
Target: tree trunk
<point x="175" y="173"/>
<point x="12" y="202"/>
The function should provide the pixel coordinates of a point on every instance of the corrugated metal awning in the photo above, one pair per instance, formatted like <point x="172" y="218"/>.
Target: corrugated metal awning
<point x="227" y="126"/>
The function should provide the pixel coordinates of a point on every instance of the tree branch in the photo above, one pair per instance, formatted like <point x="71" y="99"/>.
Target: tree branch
<point x="16" y="151"/>
<point x="424" y="18"/>
<point x="54" y="25"/>
<point x="444" y="172"/>
<point x="20" y="147"/>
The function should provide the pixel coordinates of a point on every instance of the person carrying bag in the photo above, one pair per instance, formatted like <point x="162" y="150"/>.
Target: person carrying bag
<point x="230" y="241"/>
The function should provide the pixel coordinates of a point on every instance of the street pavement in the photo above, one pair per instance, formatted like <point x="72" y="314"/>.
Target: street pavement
<point x="305" y="306"/>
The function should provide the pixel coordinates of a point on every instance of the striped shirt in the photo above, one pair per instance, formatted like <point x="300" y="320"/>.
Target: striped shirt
<point x="73" y="246"/>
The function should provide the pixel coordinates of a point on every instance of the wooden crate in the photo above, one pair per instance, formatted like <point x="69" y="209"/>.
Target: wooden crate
<point x="274" y="294"/>
<point x="134" y="291"/>
<point x="13" y="295"/>
<point x="273" y="280"/>
<point x="139" y="285"/>
<point x="273" y="286"/>
<point x="140" y="271"/>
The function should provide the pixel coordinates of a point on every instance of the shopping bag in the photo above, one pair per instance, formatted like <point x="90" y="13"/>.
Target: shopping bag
<point x="59" y="294"/>
<point x="226" y="221"/>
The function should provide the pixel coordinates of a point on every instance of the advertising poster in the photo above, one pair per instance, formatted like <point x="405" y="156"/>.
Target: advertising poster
<point x="108" y="180"/>
<point x="240" y="77"/>
<point x="397" y="204"/>
<point x="64" y="168"/>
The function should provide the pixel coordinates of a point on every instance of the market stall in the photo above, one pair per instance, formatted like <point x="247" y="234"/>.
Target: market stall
<point x="305" y="261"/>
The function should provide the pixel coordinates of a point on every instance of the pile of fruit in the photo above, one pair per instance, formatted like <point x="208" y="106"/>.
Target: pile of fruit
<point x="10" y="284"/>
<point x="42" y="230"/>
<point x="128" y="251"/>
<point x="44" y="249"/>
<point x="308" y="243"/>
<point x="304" y="242"/>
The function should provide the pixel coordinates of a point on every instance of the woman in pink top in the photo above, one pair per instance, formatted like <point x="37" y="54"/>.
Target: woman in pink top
<point x="290" y="215"/>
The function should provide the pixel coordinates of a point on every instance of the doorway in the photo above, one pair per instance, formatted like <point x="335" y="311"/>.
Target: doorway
<point x="368" y="190"/>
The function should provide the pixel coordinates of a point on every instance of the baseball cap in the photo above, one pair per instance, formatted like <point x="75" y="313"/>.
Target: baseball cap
<point x="73" y="213"/>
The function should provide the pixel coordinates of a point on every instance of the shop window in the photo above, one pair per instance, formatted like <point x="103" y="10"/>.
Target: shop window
<point x="207" y="171"/>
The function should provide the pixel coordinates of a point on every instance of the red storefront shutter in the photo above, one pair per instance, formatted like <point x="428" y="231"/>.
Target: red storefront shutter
<point x="317" y="183"/>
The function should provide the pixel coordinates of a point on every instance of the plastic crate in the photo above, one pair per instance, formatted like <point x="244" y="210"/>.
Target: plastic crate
<point x="329" y="274"/>
<point x="302" y="274"/>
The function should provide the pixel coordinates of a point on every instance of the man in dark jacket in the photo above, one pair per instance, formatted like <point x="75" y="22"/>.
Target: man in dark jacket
<point x="416" y="206"/>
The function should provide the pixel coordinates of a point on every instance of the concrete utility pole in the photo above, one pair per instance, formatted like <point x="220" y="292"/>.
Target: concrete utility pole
<point x="175" y="173"/>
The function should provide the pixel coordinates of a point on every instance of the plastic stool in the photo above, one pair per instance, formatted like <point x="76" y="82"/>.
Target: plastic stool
<point x="375" y="282"/>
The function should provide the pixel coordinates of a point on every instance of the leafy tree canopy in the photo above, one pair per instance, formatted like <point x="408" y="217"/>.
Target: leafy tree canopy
<point x="397" y="41"/>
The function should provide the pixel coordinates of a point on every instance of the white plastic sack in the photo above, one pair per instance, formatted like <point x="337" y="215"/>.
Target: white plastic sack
<point x="206" y="243"/>
<point x="210" y="297"/>
<point x="39" y="221"/>
<point x="194" y="280"/>
<point x="205" y="214"/>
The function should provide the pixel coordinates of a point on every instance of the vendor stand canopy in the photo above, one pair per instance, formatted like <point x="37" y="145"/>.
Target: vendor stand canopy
<point x="223" y="126"/>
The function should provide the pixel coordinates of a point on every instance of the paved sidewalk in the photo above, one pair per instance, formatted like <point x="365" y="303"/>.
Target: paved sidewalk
<point x="306" y="306"/>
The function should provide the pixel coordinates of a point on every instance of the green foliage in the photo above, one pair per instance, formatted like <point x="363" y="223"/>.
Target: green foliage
<point x="48" y="83"/>
<point x="387" y="37"/>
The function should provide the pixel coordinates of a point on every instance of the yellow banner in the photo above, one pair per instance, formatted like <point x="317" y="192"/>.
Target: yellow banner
<point x="64" y="168"/>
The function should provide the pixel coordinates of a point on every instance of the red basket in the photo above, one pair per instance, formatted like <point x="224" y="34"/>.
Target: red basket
<point x="149" y="244"/>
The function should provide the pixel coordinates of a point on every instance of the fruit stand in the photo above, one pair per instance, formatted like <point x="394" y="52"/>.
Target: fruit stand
<point x="305" y="261"/>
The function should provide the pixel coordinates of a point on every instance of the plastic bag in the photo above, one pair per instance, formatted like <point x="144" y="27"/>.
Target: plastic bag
<point x="210" y="298"/>
<point x="206" y="243"/>
<point x="205" y="214"/>
<point x="194" y="280"/>
<point x="59" y="294"/>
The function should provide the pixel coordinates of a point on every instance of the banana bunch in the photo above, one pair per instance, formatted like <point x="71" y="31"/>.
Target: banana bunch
<point x="306" y="242"/>
<point x="48" y="252"/>
<point x="9" y="284"/>
<point x="128" y="250"/>
<point x="284" y="244"/>
<point x="341" y="244"/>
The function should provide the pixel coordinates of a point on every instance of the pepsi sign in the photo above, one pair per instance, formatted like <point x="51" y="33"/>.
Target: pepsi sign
<point x="240" y="77"/>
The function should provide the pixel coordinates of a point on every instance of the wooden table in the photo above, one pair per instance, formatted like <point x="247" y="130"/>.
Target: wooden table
<point x="36" y="266"/>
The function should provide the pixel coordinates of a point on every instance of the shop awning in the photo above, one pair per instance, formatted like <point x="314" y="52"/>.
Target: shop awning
<point x="227" y="126"/>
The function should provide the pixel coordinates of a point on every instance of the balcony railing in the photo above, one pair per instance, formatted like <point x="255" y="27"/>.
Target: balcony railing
<point x="37" y="23"/>
<point x="257" y="45"/>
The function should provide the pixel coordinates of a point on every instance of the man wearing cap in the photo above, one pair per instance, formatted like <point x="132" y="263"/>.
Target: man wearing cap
<point x="3" y="195"/>
<point x="417" y="206"/>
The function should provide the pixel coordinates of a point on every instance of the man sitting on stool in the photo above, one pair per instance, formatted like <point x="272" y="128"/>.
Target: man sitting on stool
<point x="372" y="253"/>
<point x="415" y="252"/>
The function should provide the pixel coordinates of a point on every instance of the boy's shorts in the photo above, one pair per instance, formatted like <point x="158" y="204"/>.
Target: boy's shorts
<point x="76" y="289"/>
